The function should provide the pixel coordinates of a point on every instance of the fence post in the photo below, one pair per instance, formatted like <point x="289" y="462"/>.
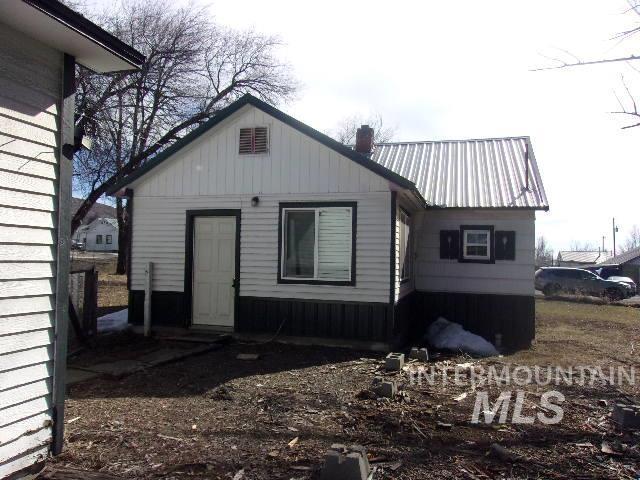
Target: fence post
<point x="90" y="303"/>
<point x="148" y="278"/>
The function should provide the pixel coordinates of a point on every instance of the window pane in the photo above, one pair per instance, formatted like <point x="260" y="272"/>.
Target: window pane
<point x="334" y="244"/>
<point x="477" y="238"/>
<point x="477" y="250"/>
<point x="405" y="247"/>
<point x="300" y="232"/>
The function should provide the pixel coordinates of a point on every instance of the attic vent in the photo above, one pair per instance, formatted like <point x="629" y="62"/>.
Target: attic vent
<point x="253" y="140"/>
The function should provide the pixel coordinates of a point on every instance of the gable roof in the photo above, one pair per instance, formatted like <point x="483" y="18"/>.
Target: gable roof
<point x="583" y="256"/>
<point x="482" y="173"/>
<point x="623" y="257"/>
<point x="55" y="24"/>
<point x="248" y="99"/>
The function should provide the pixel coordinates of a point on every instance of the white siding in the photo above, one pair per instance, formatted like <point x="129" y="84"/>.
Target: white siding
<point x="503" y="277"/>
<point x="30" y="86"/>
<point x="210" y="174"/>
<point x="159" y="235"/>
<point x="98" y="227"/>
<point x="296" y="163"/>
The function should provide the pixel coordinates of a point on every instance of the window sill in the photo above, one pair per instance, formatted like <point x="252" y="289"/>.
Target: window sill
<point x="301" y="281"/>
<point x="476" y="260"/>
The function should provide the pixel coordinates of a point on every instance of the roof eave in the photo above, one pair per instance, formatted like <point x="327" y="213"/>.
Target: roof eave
<point x="247" y="99"/>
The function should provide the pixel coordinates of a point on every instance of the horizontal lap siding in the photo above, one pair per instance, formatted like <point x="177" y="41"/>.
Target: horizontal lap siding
<point x="209" y="174"/>
<point x="159" y="236"/>
<point x="504" y="277"/>
<point x="30" y="86"/>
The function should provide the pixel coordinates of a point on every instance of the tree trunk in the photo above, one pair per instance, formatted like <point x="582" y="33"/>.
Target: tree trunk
<point x="123" y="238"/>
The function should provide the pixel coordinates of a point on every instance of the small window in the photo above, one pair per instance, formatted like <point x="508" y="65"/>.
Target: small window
<point x="109" y="239"/>
<point x="477" y="242"/>
<point x="317" y="244"/>
<point x="253" y="141"/>
<point x="98" y="239"/>
<point x="404" y="221"/>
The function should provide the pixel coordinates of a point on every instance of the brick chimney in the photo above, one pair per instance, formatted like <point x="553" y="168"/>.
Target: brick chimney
<point x="364" y="139"/>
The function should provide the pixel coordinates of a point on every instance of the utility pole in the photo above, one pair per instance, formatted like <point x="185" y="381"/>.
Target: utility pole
<point x="603" y="249"/>
<point x="615" y="229"/>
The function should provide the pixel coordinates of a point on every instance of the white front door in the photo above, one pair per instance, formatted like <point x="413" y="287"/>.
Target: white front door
<point x="214" y="271"/>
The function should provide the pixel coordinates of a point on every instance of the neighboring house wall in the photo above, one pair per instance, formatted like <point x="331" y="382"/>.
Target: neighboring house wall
<point x="209" y="174"/>
<point x="30" y="89"/>
<point x="103" y="228"/>
<point x="504" y="277"/>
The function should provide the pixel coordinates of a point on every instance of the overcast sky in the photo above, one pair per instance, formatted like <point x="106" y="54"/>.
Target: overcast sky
<point x="451" y="70"/>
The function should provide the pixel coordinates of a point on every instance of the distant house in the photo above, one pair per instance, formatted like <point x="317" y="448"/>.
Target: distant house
<point x="96" y="211"/>
<point x="41" y="41"/>
<point x="626" y="264"/>
<point x="578" y="259"/>
<point x="101" y="235"/>
<point x="256" y="223"/>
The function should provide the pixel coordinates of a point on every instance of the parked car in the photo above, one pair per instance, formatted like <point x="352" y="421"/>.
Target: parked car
<point x="554" y="280"/>
<point x="75" y="245"/>
<point x="626" y="280"/>
<point x="605" y="271"/>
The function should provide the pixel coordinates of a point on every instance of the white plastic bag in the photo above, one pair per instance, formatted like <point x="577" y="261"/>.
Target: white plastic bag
<point x="114" y="321"/>
<point x="446" y="335"/>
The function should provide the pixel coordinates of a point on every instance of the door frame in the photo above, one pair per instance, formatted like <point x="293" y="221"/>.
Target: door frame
<point x="191" y="215"/>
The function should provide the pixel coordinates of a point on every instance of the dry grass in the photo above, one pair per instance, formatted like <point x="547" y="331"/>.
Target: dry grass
<point x="570" y="333"/>
<point x="112" y="288"/>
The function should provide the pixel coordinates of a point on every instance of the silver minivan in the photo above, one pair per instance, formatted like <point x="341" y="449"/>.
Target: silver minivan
<point x="554" y="280"/>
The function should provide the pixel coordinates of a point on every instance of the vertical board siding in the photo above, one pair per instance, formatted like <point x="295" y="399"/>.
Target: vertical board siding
<point x="211" y="165"/>
<point x="508" y="277"/>
<point x="30" y="88"/>
<point x="210" y="174"/>
<point x="159" y="236"/>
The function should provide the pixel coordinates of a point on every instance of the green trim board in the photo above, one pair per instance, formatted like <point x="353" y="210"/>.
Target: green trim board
<point x="248" y="99"/>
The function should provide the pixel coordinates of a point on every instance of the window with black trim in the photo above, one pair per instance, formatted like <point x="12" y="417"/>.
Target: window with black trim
<point x="98" y="239"/>
<point x="109" y="239"/>
<point x="317" y="243"/>
<point x="253" y="140"/>
<point x="404" y="243"/>
<point x="477" y="243"/>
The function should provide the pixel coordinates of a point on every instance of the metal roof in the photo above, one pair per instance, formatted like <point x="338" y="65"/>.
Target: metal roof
<point x="583" y="256"/>
<point x="481" y="173"/>
<point x="623" y="257"/>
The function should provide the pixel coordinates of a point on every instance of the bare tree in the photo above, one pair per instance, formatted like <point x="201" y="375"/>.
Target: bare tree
<point x="628" y="105"/>
<point x="632" y="241"/>
<point x="544" y="253"/>
<point x="193" y="68"/>
<point x="577" y="246"/>
<point x="345" y="130"/>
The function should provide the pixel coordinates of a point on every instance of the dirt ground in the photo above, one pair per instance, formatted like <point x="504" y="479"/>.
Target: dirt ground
<point x="213" y="416"/>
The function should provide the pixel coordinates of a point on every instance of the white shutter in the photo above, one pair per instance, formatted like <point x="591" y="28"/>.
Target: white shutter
<point x="334" y="244"/>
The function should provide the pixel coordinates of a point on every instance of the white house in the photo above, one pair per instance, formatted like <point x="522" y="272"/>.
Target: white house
<point x="257" y="223"/>
<point x="40" y="43"/>
<point x="582" y="258"/>
<point x="101" y="235"/>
